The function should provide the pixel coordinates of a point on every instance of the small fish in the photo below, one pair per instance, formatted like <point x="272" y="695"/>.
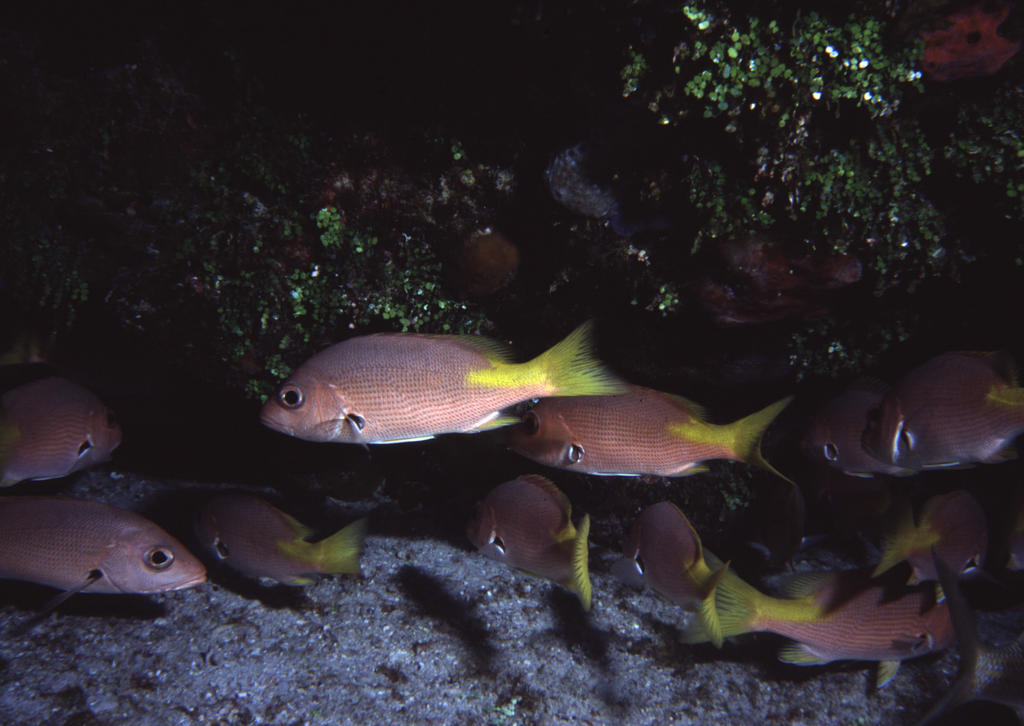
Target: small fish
<point x="80" y="545"/>
<point x="527" y="524"/>
<point x="260" y="540"/>
<point x="835" y="433"/>
<point x="956" y="410"/>
<point x="641" y="431"/>
<point x="837" y="616"/>
<point x="52" y="427"/>
<point x="953" y="525"/>
<point x="396" y="387"/>
<point x="1017" y="542"/>
<point x="987" y="673"/>
<point x="664" y="552"/>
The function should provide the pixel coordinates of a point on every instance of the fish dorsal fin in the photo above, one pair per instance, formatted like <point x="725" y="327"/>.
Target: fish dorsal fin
<point x="493" y="350"/>
<point x="580" y="564"/>
<point x="300" y="530"/>
<point x="870" y="384"/>
<point x="548" y="486"/>
<point x="695" y="410"/>
<point x="1004" y="366"/>
<point x="887" y="670"/>
<point x="807" y="584"/>
<point x="799" y="654"/>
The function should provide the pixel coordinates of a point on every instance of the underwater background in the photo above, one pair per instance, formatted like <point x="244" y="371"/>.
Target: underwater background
<point x="750" y="199"/>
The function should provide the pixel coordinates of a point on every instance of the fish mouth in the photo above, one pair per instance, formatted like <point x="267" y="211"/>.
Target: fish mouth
<point x="197" y="580"/>
<point x="268" y="420"/>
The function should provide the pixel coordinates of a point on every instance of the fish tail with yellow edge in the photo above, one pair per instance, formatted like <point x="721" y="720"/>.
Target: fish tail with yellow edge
<point x="569" y="368"/>
<point x="580" y="563"/>
<point x="337" y="554"/>
<point x="1012" y="397"/>
<point x="748" y="432"/>
<point x="709" y="619"/>
<point x="735" y="608"/>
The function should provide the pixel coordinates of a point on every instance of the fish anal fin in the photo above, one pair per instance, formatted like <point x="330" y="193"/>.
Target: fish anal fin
<point x="799" y="654"/>
<point x="887" y="670"/>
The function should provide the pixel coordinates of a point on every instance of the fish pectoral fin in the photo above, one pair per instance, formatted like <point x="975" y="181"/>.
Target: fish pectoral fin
<point x="55" y="602"/>
<point x="1007" y="453"/>
<point x="404" y="441"/>
<point x="887" y="670"/>
<point x="489" y="423"/>
<point x="799" y="654"/>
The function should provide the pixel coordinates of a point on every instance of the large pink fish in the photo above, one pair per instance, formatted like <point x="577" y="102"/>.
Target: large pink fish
<point x="394" y="387"/>
<point x="956" y="410"/>
<point x="52" y="427"/>
<point x="81" y="545"/>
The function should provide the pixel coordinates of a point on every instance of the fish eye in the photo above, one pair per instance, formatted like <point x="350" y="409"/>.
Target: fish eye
<point x="290" y="396"/>
<point x="531" y="421"/>
<point x="906" y="439"/>
<point x="111" y="419"/>
<point x="159" y="558"/>
<point x="499" y="543"/>
<point x="86" y="445"/>
<point x="220" y="548"/>
<point x="831" y="451"/>
<point x="356" y="420"/>
<point x="575" y="453"/>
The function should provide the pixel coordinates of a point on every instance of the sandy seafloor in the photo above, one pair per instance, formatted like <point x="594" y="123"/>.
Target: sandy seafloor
<point x="431" y="633"/>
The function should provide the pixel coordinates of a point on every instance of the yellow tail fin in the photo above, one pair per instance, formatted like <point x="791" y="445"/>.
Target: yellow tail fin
<point x="709" y="619"/>
<point x="898" y="541"/>
<point x="337" y="554"/>
<point x="570" y="368"/>
<point x="580" y="563"/>
<point x="735" y="607"/>
<point x="749" y="431"/>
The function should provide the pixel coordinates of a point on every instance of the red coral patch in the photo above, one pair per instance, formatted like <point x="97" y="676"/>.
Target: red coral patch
<point x="969" y="46"/>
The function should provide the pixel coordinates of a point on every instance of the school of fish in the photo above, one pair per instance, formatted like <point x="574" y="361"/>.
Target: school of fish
<point x="565" y="410"/>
